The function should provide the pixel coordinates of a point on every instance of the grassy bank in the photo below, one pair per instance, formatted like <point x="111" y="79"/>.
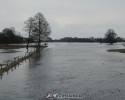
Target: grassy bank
<point x="117" y="50"/>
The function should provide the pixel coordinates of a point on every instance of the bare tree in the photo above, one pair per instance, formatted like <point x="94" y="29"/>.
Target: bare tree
<point x="29" y="26"/>
<point x="41" y="27"/>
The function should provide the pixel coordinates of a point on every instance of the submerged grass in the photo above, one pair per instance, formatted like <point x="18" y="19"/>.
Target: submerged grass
<point x="15" y="62"/>
<point x="117" y="50"/>
<point x="18" y="60"/>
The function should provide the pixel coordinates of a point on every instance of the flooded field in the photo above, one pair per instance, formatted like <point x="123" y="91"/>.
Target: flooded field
<point x="9" y="54"/>
<point x="83" y="69"/>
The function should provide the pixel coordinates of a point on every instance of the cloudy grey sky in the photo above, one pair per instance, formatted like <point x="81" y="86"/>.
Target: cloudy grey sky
<point x="75" y="18"/>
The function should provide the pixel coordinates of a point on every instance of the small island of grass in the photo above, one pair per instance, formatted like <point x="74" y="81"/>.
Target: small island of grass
<point x="117" y="50"/>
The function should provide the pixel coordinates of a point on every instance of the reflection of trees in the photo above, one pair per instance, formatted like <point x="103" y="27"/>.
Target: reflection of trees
<point x="36" y="79"/>
<point x="35" y="58"/>
<point x="1" y="76"/>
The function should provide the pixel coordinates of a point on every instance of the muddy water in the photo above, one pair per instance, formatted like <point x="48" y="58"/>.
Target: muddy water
<point x="68" y="68"/>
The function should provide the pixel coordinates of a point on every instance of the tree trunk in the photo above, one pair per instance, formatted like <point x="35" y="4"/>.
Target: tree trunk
<point x="39" y="40"/>
<point x="27" y="47"/>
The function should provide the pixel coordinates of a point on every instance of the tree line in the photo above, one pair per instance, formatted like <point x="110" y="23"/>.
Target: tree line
<point x="90" y="39"/>
<point x="9" y="36"/>
<point x="110" y="37"/>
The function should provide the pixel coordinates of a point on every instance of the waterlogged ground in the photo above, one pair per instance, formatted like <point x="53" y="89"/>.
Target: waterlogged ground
<point x="8" y="54"/>
<point x="81" y="69"/>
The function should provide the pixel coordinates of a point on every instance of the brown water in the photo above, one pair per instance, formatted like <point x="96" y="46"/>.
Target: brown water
<point x="68" y="68"/>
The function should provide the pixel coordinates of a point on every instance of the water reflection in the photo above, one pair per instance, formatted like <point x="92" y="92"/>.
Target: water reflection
<point x="9" y="70"/>
<point x="1" y="76"/>
<point x="12" y="61"/>
<point x="35" y="84"/>
<point x="86" y="69"/>
<point x="36" y="58"/>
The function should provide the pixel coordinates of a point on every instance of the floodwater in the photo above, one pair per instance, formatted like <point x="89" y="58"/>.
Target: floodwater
<point x="9" y="54"/>
<point x="68" y="68"/>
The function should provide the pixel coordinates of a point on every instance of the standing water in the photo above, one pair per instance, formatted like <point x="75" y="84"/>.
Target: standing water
<point x="68" y="68"/>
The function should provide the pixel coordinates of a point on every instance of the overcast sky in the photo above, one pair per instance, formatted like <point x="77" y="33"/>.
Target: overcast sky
<point x="67" y="18"/>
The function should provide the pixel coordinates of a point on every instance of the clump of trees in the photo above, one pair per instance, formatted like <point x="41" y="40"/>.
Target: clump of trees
<point x="9" y="36"/>
<point x="29" y="28"/>
<point x="111" y="36"/>
<point x="37" y="28"/>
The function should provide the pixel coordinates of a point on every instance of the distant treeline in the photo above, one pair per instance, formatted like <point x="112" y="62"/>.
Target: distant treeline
<point x="9" y="35"/>
<point x="91" y="39"/>
<point x="110" y="37"/>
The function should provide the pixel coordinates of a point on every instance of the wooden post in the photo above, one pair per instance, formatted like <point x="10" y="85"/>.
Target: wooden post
<point x="1" y="66"/>
<point x="1" y="76"/>
<point x="14" y="59"/>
